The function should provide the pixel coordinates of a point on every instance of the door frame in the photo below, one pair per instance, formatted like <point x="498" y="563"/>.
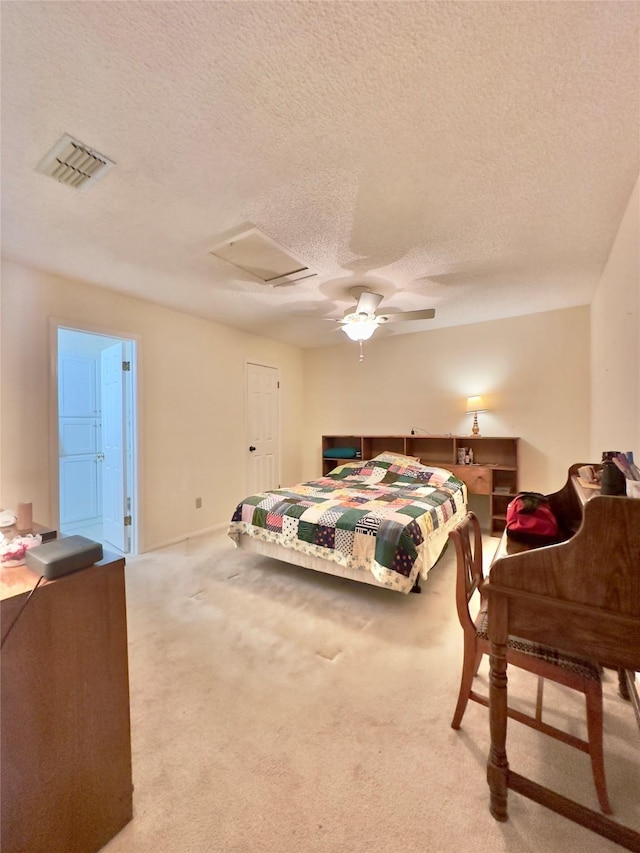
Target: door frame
<point x="277" y="368"/>
<point x="56" y="323"/>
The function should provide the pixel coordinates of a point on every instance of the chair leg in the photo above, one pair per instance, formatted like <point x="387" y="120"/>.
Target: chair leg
<point x="593" y="697"/>
<point x="539" y="696"/>
<point x="469" y="667"/>
<point x="479" y="656"/>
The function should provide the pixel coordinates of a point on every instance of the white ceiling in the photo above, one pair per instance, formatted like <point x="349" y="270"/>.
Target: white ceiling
<point x="471" y="157"/>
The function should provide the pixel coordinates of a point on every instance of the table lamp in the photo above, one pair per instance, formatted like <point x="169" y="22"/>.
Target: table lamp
<point x="475" y="405"/>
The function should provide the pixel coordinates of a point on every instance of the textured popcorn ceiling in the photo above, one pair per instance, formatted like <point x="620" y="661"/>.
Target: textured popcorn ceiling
<point x="471" y="157"/>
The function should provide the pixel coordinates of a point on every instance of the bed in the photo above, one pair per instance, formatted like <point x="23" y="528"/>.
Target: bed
<point x="384" y="521"/>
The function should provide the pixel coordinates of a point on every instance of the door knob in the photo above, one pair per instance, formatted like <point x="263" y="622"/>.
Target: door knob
<point x="100" y="456"/>
<point x="251" y="448"/>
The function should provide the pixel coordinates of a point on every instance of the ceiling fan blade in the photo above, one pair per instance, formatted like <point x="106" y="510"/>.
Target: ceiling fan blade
<point x="320" y="319"/>
<point x="368" y="302"/>
<point x="393" y="317"/>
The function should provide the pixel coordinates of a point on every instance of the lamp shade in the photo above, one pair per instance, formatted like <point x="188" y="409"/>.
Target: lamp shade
<point x="475" y="404"/>
<point x="359" y="329"/>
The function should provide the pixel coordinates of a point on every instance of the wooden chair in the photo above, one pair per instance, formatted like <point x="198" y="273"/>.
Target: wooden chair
<point x="542" y="661"/>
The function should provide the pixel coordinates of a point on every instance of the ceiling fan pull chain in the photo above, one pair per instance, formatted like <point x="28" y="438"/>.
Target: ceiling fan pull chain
<point x="361" y="353"/>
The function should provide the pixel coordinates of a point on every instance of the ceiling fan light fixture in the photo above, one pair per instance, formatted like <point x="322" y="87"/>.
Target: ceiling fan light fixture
<point x="360" y="322"/>
<point x="359" y="327"/>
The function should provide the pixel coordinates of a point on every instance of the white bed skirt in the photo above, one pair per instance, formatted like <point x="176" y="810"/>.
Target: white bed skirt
<point x="431" y="551"/>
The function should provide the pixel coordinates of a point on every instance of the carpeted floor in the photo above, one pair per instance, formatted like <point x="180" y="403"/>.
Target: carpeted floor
<point x="277" y="710"/>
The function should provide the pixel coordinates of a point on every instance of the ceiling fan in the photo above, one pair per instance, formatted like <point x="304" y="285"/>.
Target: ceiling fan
<point x="360" y="323"/>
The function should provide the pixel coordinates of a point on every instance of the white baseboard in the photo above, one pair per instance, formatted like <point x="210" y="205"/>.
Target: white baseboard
<point x="184" y="537"/>
<point x="82" y="524"/>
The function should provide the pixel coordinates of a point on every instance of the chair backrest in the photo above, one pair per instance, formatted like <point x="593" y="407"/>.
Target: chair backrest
<point x="467" y="538"/>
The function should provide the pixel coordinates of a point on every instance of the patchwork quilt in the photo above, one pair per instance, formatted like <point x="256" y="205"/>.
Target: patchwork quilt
<point x="374" y="516"/>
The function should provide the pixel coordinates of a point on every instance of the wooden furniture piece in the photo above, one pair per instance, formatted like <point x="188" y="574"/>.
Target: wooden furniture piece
<point x="568" y="670"/>
<point x="494" y="471"/>
<point x="582" y="596"/>
<point x="65" y="727"/>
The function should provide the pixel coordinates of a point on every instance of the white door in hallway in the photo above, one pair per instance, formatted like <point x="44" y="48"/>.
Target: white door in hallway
<point x="114" y="472"/>
<point x="78" y="440"/>
<point x="263" y="428"/>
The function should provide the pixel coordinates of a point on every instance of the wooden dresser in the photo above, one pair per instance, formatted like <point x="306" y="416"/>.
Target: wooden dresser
<point x="65" y="726"/>
<point x="583" y="596"/>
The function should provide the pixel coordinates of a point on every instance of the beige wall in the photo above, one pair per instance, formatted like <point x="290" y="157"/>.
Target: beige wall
<point x="615" y="342"/>
<point x="533" y="372"/>
<point x="191" y="429"/>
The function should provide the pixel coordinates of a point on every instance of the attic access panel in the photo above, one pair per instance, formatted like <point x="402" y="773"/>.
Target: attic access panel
<point x="256" y="253"/>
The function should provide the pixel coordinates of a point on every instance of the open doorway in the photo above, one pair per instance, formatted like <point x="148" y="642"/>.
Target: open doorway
<point x="96" y="438"/>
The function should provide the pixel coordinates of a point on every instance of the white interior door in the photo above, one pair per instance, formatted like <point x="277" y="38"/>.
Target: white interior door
<point x="80" y="499"/>
<point x="77" y="391"/>
<point x="263" y="428"/>
<point x="114" y="471"/>
<point x="78" y="440"/>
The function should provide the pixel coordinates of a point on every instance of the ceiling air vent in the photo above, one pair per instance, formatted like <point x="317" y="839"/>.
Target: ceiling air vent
<point x="73" y="163"/>
<point x="255" y="253"/>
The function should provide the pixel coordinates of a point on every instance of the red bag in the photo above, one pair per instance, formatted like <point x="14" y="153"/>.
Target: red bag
<point x="530" y="520"/>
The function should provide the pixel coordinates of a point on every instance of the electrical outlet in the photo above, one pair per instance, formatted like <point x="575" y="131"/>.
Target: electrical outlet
<point x="198" y="503"/>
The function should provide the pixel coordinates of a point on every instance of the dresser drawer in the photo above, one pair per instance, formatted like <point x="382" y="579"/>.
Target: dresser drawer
<point x="477" y="478"/>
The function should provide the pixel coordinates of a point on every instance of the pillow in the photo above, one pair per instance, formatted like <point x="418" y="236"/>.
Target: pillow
<point x="396" y="458"/>
<point x="347" y="471"/>
<point x="412" y="468"/>
<point x="340" y="453"/>
<point x="438" y="476"/>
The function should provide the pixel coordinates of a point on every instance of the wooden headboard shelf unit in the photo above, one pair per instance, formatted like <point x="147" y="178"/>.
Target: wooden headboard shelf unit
<point x="494" y="471"/>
